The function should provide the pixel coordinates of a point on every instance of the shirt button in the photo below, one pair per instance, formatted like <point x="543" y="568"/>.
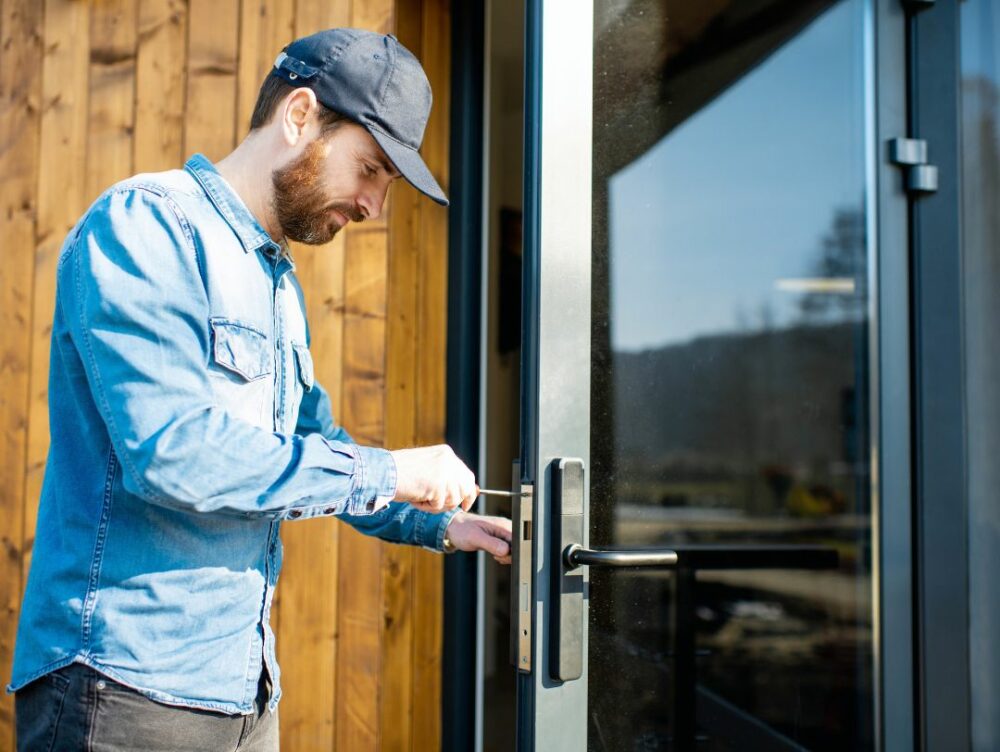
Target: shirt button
<point x="295" y="513"/>
<point x="102" y="684"/>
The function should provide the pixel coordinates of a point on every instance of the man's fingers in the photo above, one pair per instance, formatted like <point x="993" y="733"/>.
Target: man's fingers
<point x="493" y="544"/>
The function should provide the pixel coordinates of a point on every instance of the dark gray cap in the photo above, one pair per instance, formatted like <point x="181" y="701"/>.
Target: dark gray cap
<point x="376" y="82"/>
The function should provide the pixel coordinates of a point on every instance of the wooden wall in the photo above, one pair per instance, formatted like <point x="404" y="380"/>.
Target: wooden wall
<point x="92" y="91"/>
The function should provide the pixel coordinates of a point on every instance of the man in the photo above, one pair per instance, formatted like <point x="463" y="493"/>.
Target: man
<point x="187" y="424"/>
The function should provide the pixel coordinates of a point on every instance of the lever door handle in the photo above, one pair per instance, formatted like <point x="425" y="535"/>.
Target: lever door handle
<point x="700" y="557"/>
<point x="576" y="555"/>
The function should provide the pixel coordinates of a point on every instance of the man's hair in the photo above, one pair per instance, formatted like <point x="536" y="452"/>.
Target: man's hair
<point x="271" y="94"/>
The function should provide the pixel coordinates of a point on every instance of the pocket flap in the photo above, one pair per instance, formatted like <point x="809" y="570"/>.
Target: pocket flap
<point x="305" y="361"/>
<point x="241" y="349"/>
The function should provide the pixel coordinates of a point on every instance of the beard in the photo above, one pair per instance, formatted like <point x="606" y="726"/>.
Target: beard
<point x="301" y="206"/>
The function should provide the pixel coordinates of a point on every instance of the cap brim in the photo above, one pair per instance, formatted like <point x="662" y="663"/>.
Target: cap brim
<point x="411" y="166"/>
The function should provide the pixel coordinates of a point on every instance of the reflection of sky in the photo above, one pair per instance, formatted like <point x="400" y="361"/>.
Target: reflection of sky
<point x="980" y="34"/>
<point x="741" y="193"/>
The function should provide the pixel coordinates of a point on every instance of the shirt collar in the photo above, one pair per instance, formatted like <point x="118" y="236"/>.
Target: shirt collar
<point x="252" y="236"/>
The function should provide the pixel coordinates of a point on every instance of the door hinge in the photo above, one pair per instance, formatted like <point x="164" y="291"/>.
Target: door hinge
<point x="911" y="154"/>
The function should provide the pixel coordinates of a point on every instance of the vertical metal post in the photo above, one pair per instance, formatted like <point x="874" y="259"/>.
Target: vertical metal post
<point x="941" y="535"/>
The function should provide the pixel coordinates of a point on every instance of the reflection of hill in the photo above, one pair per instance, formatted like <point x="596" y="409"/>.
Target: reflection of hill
<point x="783" y="396"/>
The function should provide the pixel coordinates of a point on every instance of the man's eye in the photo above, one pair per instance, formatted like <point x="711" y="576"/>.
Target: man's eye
<point x="369" y="170"/>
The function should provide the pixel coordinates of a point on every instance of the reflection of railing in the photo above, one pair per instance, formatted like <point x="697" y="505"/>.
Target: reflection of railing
<point x="686" y="561"/>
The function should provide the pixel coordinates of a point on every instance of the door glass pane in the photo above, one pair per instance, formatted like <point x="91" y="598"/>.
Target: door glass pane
<point x="731" y="372"/>
<point x="980" y="22"/>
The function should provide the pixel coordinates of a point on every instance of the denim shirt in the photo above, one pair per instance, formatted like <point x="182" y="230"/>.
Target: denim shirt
<point x="186" y="425"/>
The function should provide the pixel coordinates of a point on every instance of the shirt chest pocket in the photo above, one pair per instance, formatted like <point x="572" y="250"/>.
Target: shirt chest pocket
<point x="242" y="362"/>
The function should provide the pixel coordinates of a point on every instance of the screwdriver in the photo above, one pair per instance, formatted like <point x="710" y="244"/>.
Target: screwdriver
<point x="508" y="494"/>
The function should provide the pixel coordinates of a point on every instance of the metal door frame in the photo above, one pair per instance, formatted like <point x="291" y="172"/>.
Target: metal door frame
<point x="555" y="363"/>
<point x="941" y="572"/>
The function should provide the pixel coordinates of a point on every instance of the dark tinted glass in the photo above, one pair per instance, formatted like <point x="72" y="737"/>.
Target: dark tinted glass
<point x="980" y="23"/>
<point x="731" y="374"/>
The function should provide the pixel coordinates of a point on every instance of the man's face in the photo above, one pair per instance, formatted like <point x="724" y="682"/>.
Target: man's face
<point x="340" y="177"/>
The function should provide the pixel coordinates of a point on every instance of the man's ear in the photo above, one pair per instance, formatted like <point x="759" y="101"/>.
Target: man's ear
<point x="298" y="106"/>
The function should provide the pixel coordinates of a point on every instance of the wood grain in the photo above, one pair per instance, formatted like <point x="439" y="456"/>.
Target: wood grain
<point x="160" y="85"/>
<point x="359" y="647"/>
<point x="428" y="576"/>
<point x="266" y="26"/>
<point x="112" y="94"/>
<point x="20" y="100"/>
<point x="213" y="43"/>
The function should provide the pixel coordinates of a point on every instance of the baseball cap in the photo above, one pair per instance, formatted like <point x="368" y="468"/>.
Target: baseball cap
<point x="375" y="81"/>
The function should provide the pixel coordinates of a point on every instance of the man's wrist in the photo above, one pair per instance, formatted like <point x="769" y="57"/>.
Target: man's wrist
<point x="446" y="545"/>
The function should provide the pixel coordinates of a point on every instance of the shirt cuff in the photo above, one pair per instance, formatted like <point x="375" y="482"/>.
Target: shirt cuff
<point x="374" y="480"/>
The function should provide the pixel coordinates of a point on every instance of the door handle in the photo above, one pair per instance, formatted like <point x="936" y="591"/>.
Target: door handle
<point x="701" y="557"/>
<point x="576" y="555"/>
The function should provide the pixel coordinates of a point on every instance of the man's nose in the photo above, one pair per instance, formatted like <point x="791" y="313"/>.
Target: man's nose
<point x="370" y="203"/>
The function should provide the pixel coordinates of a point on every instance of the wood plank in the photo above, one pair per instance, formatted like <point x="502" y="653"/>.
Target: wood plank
<point x="399" y="639"/>
<point x="20" y="105"/>
<point x="213" y="38"/>
<point x="364" y="335"/>
<point x="402" y="639"/>
<point x="358" y="650"/>
<point x="160" y="85"/>
<point x="62" y="199"/>
<point x="428" y="628"/>
<point x="431" y="365"/>
<point x="266" y="26"/>
<point x="112" y="94"/>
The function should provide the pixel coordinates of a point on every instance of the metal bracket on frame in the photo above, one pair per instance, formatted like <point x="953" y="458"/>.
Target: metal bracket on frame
<point x="911" y="154"/>
<point x="522" y="574"/>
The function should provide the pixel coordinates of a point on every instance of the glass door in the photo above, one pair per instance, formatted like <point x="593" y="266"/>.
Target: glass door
<point x="715" y="304"/>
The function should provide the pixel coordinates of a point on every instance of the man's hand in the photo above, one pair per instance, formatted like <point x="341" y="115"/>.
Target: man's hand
<point x="476" y="532"/>
<point x="433" y="479"/>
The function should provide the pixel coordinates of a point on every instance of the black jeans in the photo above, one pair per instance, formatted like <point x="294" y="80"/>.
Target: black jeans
<point x="76" y="709"/>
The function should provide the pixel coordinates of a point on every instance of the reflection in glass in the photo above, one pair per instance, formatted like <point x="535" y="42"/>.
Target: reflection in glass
<point x="730" y="373"/>
<point x="980" y="59"/>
